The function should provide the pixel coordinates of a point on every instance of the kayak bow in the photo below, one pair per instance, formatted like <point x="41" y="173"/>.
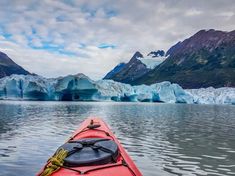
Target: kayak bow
<point x="92" y="150"/>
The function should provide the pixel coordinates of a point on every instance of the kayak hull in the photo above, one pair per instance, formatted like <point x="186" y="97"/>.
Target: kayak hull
<point x="124" y="165"/>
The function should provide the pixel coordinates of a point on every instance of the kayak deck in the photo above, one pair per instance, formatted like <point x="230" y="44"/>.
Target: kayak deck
<point x="123" y="164"/>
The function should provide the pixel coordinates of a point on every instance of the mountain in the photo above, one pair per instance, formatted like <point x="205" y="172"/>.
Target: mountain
<point x="205" y="59"/>
<point x="130" y="71"/>
<point x="136" y="67"/>
<point x="157" y="53"/>
<point x="116" y="69"/>
<point x="9" y="67"/>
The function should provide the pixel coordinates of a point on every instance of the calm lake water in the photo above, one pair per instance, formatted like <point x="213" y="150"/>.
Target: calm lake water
<point x="162" y="139"/>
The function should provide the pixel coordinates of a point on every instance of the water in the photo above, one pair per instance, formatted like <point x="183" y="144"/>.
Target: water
<point x="162" y="139"/>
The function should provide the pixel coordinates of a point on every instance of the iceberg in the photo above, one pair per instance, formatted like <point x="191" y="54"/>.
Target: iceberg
<point x="81" y="88"/>
<point x="74" y="88"/>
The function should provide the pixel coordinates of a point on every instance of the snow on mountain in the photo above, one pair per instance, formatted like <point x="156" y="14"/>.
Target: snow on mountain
<point x="151" y="61"/>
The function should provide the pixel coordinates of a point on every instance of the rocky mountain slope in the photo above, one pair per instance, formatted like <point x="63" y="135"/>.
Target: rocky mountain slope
<point x="205" y="59"/>
<point x="130" y="71"/>
<point x="9" y="67"/>
<point x="114" y="71"/>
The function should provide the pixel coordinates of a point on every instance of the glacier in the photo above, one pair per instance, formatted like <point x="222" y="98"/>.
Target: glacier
<point x="81" y="88"/>
<point x="210" y="95"/>
<point x="26" y="87"/>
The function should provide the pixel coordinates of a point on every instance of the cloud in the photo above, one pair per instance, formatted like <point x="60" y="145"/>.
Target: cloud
<point x="54" y="38"/>
<point x="193" y="12"/>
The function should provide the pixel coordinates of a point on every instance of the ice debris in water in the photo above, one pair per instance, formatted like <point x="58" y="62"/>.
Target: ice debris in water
<point x="81" y="88"/>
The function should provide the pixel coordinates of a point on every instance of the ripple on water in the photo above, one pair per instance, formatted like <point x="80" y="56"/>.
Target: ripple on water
<point x="162" y="139"/>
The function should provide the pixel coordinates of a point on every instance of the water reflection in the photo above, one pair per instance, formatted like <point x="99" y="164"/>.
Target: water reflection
<point x="163" y="139"/>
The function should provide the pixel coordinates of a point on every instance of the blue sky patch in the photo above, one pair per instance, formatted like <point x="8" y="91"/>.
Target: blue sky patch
<point x="106" y="45"/>
<point x="111" y="13"/>
<point x="53" y="48"/>
<point x="7" y="36"/>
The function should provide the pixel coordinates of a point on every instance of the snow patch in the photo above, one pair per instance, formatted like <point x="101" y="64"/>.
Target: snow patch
<point x="151" y="62"/>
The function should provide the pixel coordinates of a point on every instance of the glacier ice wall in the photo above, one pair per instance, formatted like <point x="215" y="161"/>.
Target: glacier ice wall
<point x="210" y="95"/>
<point x="25" y="87"/>
<point x="81" y="88"/>
<point x="74" y="88"/>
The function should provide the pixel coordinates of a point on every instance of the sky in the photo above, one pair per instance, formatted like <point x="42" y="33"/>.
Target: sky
<point x="59" y="37"/>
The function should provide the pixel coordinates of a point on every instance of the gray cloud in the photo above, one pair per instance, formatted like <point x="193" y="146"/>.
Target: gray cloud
<point x="42" y="32"/>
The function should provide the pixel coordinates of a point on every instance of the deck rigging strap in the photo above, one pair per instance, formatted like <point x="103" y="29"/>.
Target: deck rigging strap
<point x="122" y="163"/>
<point x="56" y="162"/>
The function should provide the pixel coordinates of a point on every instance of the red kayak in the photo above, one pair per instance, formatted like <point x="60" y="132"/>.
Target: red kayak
<point x="92" y="150"/>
